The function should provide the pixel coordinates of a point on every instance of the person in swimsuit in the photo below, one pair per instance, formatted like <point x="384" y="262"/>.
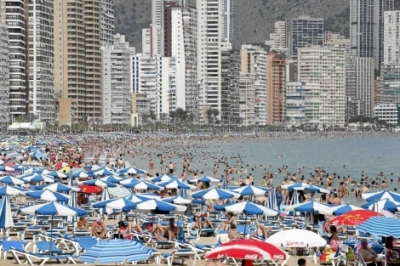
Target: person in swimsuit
<point x="98" y="228"/>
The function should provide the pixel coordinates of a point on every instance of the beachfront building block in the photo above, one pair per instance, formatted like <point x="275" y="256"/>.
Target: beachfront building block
<point x="4" y="67"/>
<point x="116" y="82"/>
<point x="388" y="112"/>
<point x="325" y="66"/>
<point x="295" y="102"/>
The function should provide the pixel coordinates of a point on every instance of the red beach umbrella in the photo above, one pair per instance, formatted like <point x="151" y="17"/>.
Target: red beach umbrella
<point x="355" y="217"/>
<point x="247" y="249"/>
<point x="90" y="189"/>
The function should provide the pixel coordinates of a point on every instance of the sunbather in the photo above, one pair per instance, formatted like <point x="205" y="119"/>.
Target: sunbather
<point x="167" y="234"/>
<point x="233" y="233"/>
<point x="82" y="223"/>
<point x="202" y="222"/>
<point x="231" y="220"/>
<point x="98" y="228"/>
<point x="261" y="232"/>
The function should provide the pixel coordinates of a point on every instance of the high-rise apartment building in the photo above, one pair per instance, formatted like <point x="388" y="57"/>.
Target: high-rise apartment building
<point x="16" y="20"/>
<point x="295" y="102"/>
<point x="278" y="39"/>
<point x="41" y="60"/>
<point x="80" y="27"/>
<point x="228" y="17"/>
<point x="116" y="87"/>
<point x="302" y="32"/>
<point x="4" y="66"/>
<point x="359" y="86"/>
<point x="146" y="41"/>
<point x="254" y="66"/>
<point x="326" y="66"/>
<point x="337" y="39"/>
<point x="389" y="84"/>
<point x="391" y="43"/>
<point x="247" y="116"/>
<point x="276" y="87"/>
<point x="366" y="28"/>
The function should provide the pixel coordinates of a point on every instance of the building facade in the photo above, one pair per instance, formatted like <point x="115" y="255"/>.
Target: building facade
<point x="390" y="84"/>
<point x="295" y="102"/>
<point x="387" y="112"/>
<point x="276" y="86"/>
<point x="41" y="60"/>
<point x="4" y="67"/>
<point x="359" y="86"/>
<point x="367" y="27"/>
<point x="324" y="66"/>
<point x="278" y="39"/>
<point x="116" y="82"/>
<point x="247" y="96"/>
<point x="391" y="43"/>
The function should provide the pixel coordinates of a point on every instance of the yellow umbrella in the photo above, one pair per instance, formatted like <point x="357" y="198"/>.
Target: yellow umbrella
<point x="66" y="169"/>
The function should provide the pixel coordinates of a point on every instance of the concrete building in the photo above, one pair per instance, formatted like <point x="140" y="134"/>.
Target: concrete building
<point x="278" y="39"/>
<point x="116" y="82"/>
<point x="4" y="67"/>
<point x="146" y="42"/>
<point x="366" y="28"/>
<point x="296" y="102"/>
<point x="276" y="85"/>
<point x="325" y="66"/>
<point x="254" y="62"/>
<point x="16" y="20"/>
<point x="140" y="109"/>
<point x="387" y="112"/>
<point x="390" y="84"/>
<point x="337" y="39"/>
<point x="247" y="96"/>
<point x="154" y="77"/>
<point x="359" y="86"/>
<point x="80" y="27"/>
<point x="302" y="32"/>
<point x="41" y="60"/>
<point x="391" y="43"/>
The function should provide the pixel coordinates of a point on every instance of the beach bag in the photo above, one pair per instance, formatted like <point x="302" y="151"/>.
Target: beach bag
<point x="350" y="254"/>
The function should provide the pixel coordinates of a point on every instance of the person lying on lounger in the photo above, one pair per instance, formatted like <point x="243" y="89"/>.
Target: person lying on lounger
<point x="98" y="228"/>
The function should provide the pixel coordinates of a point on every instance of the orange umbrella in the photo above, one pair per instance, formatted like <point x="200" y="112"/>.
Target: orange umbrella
<point x="352" y="218"/>
<point x="90" y="189"/>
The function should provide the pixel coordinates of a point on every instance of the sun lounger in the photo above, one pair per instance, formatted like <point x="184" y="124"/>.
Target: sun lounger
<point x="180" y="254"/>
<point x="14" y="244"/>
<point x="41" y="258"/>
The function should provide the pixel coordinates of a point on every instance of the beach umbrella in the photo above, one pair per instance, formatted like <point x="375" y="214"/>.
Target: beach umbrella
<point x="224" y="184"/>
<point x="116" y="251"/>
<point x="48" y="195"/>
<point x="52" y="209"/>
<point x="312" y="188"/>
<point x="90" y="189"/>
<point x="353" y="217"/>
<point x="247" y="249"/>
<point x="291" y="187"/>
<point x="380" y="195"/>
<point x="6" y="219"/>
<point x="296" y="238"/>
<point x="139" y="197"/>
<point x="38" y="178"/>
<point x="163" y="178"/>
<point x="308" y="206"/>
<point x="11" y="191"/>
<point x="101" y="172"/>
<point x="10" y="180"/>
<point x="380" y="205"/>
<point x="175" y="184"/>
<point x="205" y="179"/>
<point x="112" y="179"/>
<point x="215" y="194"/>
<point x="99" y="183"/>
<point x="339" y="209"/>
<point x="60" y="187"/>
<point x="381" y="226"/>
<point x="388" y="214"/>
<point x="72" y="202"/>
<point x="105" y="196"/>
<point x="129" y="180"/>
<point x="132" y="170"/>
<point x="248" y="208"/>
<point x="141" y="185"/>
<point x="5" y="168"/>
<point x="272" y="202"/>
<point x="60" y="165"/>
<point x="51" y="173"/>
<point x="295" y="198"/>
<point x="177" y="200"/>
<point x="80" y="174"/>
<point x="249" y="191"/>
<point x="159" y="205"/>
<point x="111" y="205"/>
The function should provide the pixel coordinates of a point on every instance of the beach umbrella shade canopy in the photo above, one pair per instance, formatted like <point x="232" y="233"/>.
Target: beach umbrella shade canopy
<point x="48" y="195"/>
<point x="388" y="214"/>
<point x="80" y="174"/>
<point x="90" y="189"/>
<point x="99" y="183"/>
<point x="38" y="178"/>
<point x="142" y="185"/>
<point x="139" y="197"/>
<point x="101" y="172"/>
<point x="353" y="217"/>
<point x="381" y="226"/>
<point x="380" y="195"/>
<point x="132" y="170"/>
<point x="215" y="194"/>
<point x="159" y="205"/>
<point x="272" y="201"/>
<point x="53" y="208"/>
<point x="11" y="191"/>
<point x="339" y="209"/>
<point x="247" y="249"/>
<point x="5" y="168"/>
<point x="205" y="179"/>
<point x="59" y="187"/>
<point x="248" y="208"/>
<point x="380" y="205"/>
<point x="291" y="187"/>
<point x="296" y="238"/>
<point x="112" y="179"/>
<point x="6" y="218"/>
<point x="312" y="188"/>
<point x="177" y="200"/>
<point x="10" y="180"/>
<point x="307" y="206"/>
<point x="116" y="251"/>
<point x="164" y="178"/>
<point x="249" y="191"/>
<point x="123" y="204"/>
<point x="175" y="184"/>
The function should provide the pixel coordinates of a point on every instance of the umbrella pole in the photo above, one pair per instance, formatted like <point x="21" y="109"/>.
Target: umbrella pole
<point x="51" y="233"/>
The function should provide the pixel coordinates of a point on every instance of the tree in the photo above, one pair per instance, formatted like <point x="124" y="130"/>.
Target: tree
<point x="212" y="115"/>
<point x="153" y="115"/>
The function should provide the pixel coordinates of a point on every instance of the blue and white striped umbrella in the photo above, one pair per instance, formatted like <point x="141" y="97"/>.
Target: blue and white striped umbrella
<point x="38" y="178"/>
<point x="291" y="187"/>
<point x="339" y="209"/>
<point x="10" y="180"/>
<point x="142" y="185"/>
<point x="295" y="198"/>
<point x="112" y="179"/>
<point x="129" y="180"/>
<point x="215" y="194"/>
<point x="177" y="200"/>
<point x="60" y="187"/>
<point x="175" y="184"/>
<point x="116" y="251"/>
<point x="48" y="195"/>
<point x="11" y="191"/>
<point x="380" y="205"/>
<point x="105" y="196"/>
<point x="224" y="184"/>
<point x="53" y="208"/>
<point x="272" y="202"/>
<point x="164" y="178"/>
<point x="72" y="202"/>
<point x="311" y="188"/>
<point x="248" y="208"/>
<point x="138" y="198"/>
<point x="381" y="226"/>
<point x="380" y="195"/>
<point x="159" y="205"/>
<point x="132" y="170"/>
<point x="80" y="173"/>
<point x="99" y="183"/>
<point x="101" y="172"/>
<point x="308" y="206"/>
<point x="6" y="219"/>
<point x="249" y="191"/>
<point x="114" y="205"/>
<point x="53" y="173"/>
<point x="205" y="179"/>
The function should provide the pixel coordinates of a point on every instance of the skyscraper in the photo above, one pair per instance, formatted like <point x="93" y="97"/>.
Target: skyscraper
<point x="366" y="28"/>
<point x="276" y="87"/>
<point x="41" y="60"/>
<point x="4" y="66"/>
<point x="391" y="43"/>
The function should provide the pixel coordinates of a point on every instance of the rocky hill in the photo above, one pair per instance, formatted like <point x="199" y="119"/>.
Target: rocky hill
<point x="254" y="19"/>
